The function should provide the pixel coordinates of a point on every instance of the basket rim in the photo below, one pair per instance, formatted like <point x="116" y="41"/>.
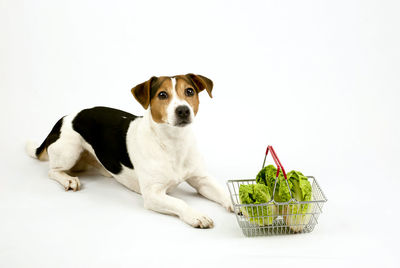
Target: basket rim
<point x="324" y="199"/>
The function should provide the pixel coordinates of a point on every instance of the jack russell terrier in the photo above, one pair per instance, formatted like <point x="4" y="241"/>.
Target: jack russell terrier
<point x="150" y="154"/>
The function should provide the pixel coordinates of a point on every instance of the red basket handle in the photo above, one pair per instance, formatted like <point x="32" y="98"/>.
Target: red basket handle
<point x="276" y="160"/>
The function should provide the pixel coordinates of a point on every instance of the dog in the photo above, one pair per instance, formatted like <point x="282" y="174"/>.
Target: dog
<point x="151" y="154"/>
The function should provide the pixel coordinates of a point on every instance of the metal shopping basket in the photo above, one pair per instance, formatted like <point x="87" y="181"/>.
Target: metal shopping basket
<point x="275" y="218"/>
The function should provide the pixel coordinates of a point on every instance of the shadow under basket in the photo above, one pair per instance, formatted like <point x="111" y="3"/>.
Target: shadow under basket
<point x="274" y="218"/>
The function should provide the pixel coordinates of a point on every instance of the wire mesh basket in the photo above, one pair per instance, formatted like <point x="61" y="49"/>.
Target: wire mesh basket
<point x="277" y="218"/>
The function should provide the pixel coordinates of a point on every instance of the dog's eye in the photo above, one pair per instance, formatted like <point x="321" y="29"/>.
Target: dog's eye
<point x="163" y="95"/>
<point x="189" y="92"/>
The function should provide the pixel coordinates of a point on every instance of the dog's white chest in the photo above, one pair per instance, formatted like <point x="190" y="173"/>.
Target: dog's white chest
<point x="161" y="157"/>
<point x="177" y="167"/>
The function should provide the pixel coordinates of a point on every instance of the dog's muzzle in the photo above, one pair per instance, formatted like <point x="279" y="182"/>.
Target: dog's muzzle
<point x="182" y="116"/>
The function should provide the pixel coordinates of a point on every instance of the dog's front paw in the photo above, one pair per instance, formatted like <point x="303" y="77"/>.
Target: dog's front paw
<point x="227" y="204"/>
<point x="196" y="219"/>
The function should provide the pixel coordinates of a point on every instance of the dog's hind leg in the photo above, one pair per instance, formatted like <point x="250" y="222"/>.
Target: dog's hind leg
<point x="92" y="162"/>
<point x="87" y="162"/>
<point x="63" y="156"/>
<point x="65" y="180"/>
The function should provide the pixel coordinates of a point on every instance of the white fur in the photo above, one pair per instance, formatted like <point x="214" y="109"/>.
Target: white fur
<point x="30" y="148"/>
<point x="163" y="156"/>
<point x="174" y="103"/>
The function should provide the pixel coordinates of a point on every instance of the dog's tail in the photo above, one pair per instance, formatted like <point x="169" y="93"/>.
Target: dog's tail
<point x="34" y="151"/>
<point x="40" y="152"/>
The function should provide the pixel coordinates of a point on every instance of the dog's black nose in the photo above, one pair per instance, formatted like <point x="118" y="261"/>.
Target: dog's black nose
<point x="182" y="112"/>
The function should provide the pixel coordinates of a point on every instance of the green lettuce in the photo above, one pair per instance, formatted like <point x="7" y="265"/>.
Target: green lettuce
<point x="267" y="176"/>
<point x="257" y="194"/>
<point x="298" y="215"/>
<point x="294" y="214"/>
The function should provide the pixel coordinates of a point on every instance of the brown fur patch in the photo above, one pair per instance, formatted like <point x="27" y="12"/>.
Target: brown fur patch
<point x="201" y="82"/>
<point x="159" y="107"/>
<point x="182" y="83"/>
<point x="142" y="92"/>
<point x="43" y="156"/>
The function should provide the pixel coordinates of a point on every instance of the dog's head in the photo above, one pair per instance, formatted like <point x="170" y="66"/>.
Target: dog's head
<point x="172" y="100"/>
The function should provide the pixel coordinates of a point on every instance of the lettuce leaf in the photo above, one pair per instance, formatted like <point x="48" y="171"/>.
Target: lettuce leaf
<point x="267" y="176"/>
<point x="298" y="215"/>
<point x="257" y="194"/>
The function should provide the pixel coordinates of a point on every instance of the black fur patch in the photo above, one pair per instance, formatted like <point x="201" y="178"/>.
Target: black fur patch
<point x="105" y="130"/>
<point x="52" y="137"/>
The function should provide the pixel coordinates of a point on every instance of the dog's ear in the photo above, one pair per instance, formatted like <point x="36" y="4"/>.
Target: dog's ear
<point x="142" y="92"/>
<point x="201" y="83"/>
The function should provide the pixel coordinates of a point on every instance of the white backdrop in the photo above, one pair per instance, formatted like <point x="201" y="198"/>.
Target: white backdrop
<point x="319" y="80"/>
